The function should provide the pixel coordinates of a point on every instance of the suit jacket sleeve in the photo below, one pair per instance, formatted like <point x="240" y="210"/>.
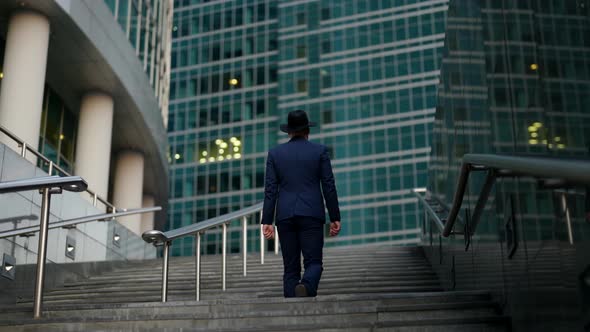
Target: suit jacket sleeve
<point x="270" y="191"/>
<point x="329" y="186"/>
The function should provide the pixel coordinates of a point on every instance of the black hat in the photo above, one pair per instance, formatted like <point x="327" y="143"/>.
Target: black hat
<point x="296" y="121"/>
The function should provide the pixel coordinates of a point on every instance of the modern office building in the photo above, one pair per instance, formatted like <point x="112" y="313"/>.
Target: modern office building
<point x="148" y="27"/>
<point x="223" y="99"/>
<point x="515" y="78"/>
<point x="81" y="94"/>
<point x="514" y="81"/>
<point x="90" y="94"/>
<point x="365" y="71"/>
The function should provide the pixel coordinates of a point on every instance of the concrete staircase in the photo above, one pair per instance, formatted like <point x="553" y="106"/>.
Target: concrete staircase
<point x="380" y="288"/>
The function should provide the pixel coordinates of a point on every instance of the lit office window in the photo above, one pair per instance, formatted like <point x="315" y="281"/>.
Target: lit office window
<point x="220" y="150"/>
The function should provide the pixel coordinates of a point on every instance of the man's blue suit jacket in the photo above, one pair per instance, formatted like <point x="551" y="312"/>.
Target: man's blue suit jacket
<point x="294" y="173"/>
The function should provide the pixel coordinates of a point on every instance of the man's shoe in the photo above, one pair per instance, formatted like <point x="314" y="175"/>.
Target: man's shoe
<point x="300" y="290"/>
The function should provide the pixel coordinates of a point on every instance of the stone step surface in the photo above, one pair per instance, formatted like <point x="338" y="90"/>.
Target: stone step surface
<point x="381" y="288"/>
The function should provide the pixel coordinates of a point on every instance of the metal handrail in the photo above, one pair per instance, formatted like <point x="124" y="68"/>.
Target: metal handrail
<point x="70" y="183"/>
<point x="437" y="221"/>
<point x="47" y="186"/>
<point x="164" y="239"/>
<point x="568" y="172"/>
<point x="207" y="224"/>
<point x="51" y="166"/>
<point x="442" y="203"/>
<point x="76" y="221"/>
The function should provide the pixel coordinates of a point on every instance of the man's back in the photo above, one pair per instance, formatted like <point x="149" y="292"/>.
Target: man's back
<point x="295" y="171"/>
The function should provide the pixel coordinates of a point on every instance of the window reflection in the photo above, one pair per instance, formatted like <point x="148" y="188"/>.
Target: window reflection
<point x="58" y="131"/>
<point x="510" y="81"/>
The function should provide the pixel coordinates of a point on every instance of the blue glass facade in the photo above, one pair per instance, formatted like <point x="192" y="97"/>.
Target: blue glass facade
<point x="365" y="71"/>
<point x="515" y="78"/>
<point x="147" y="25"/>
<point x="223" y="111"/>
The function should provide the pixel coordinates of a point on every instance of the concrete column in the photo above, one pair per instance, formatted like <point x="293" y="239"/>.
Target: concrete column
<point x="147" y="219"/>
<point x="25" y="62"/>
<point x="128" y="187"/>
<point x="93" y="144"/>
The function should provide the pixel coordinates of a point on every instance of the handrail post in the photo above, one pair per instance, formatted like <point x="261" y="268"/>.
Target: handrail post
<point x="198" y="266"/>
<point x="261" y="240"/>
<point x="42" y="252"/>
<point x="457" y="199"/>
<point x="245" y="244"/>
<point x="94" y="199"/>
<point x="50" y="167"/>
<point x="568" y="219"/>
<point x="223" y="254"/>
<point x="433" y="217"/>
<point x="482" y="200"/>
<point x="425" y="221"/>
<point x="23" y="150"/>
<point x="166" y="255"/>
<point x="276" y="240"/>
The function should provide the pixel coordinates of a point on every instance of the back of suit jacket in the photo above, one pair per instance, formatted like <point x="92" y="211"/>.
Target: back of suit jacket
<point x="297" y="173"/>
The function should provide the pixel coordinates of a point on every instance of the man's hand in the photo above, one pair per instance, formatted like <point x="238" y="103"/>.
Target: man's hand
<point x="268" y="231"/>
<point x="334" y="228"/>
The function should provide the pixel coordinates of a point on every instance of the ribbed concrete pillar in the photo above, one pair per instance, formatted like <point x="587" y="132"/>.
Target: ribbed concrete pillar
<point x="147" y="219"/>
<point x="128" y="187"/>
<point x="25" y="62"/>
<point x="93" y="144"/>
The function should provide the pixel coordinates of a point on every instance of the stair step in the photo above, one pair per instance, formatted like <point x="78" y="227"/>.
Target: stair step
<point x="409" y="297"/>
<point x="189" y="294"/>
<point x="359" y="275"/>
<point x="385" y="310"/>
<point x="278" y="270"/>
<point x="245" y="310"/>
<point x="190" y="285"/>
<point x="381" y="288"/>
<point x="237" y="263"/>
<point x="484" y="324"/>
